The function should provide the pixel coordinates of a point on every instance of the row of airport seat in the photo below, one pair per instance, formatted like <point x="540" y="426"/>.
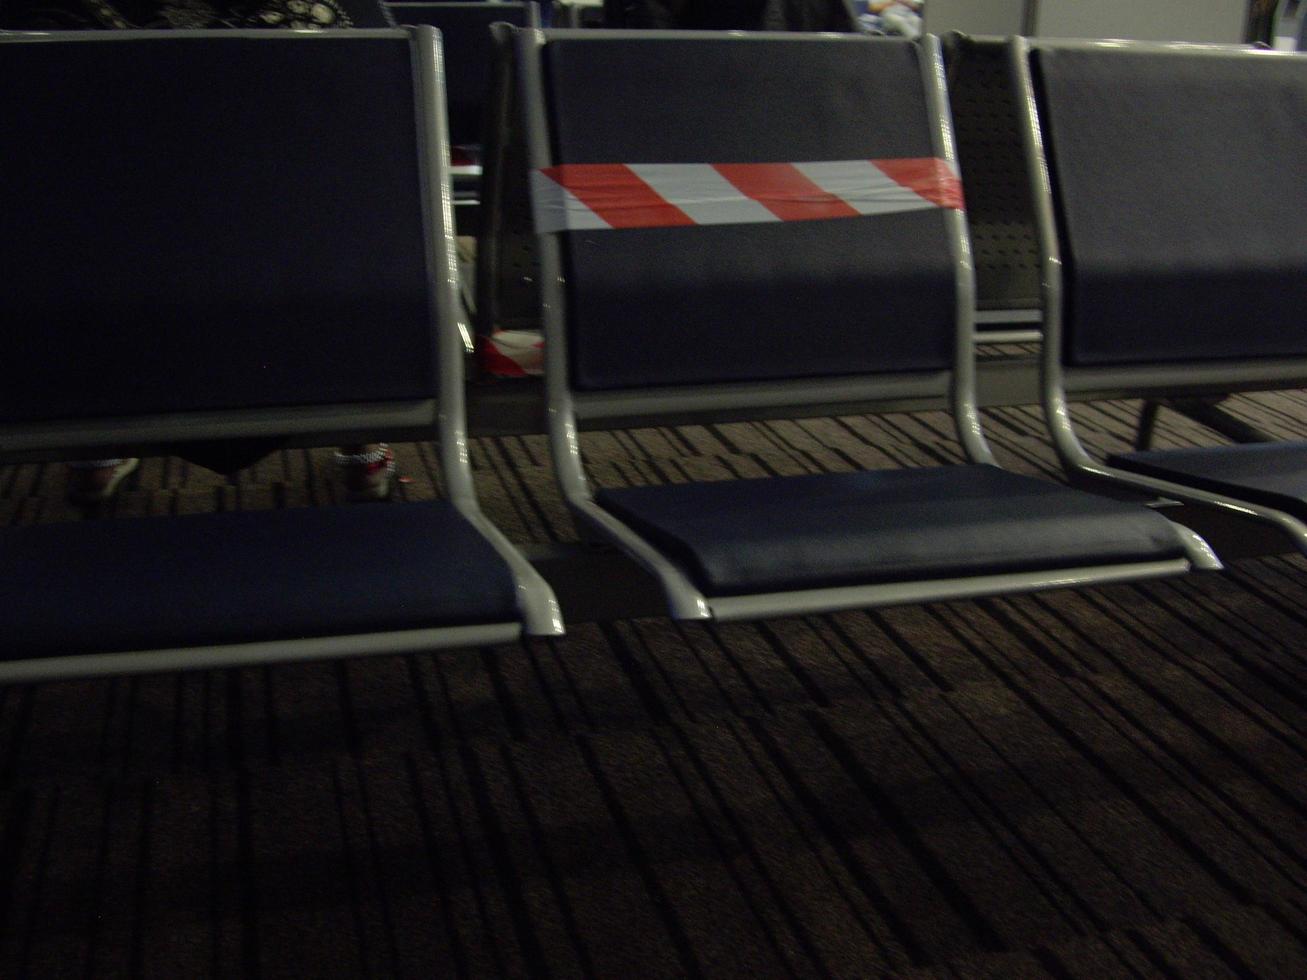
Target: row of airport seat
<point x="1211" y="21"/>
<point x="188" y="259"/>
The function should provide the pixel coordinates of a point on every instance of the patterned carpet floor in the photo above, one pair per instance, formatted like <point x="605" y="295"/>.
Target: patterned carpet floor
<point x="1093" y="783"/>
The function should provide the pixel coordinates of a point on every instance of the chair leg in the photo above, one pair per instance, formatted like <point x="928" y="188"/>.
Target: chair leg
<point x="1207" y="411"/>
<point x="1147" y="423"/>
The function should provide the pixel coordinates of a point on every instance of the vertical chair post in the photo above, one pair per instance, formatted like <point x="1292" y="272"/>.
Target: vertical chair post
<point x="966" y="413"/>
<point x="685" y="600"/>
<point x="1052" y="382"/>
<point x="539" y="608"/>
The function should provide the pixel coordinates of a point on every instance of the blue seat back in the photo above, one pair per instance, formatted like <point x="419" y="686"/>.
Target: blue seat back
<point x="217" y="221"/>
<point x="655" y="306"/>
<point x="1182" y="204"/>
<point x="469" y="54"/>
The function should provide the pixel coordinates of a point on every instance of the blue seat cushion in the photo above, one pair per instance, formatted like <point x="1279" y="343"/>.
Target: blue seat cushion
<point x="1273" y="474"/>
<point x="149" y="583"/>
<point x="774" y="535"/>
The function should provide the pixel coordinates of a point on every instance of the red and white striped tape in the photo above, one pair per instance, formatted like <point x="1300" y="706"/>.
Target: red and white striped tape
<point x="512" y="353"/>
<point x="592" y="196"/>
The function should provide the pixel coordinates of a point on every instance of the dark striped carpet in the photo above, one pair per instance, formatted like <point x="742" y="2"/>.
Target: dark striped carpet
<point x="1099" y="783"/>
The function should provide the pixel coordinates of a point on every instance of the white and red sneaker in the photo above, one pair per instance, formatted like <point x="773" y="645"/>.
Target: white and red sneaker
<point x="368" y="474"/>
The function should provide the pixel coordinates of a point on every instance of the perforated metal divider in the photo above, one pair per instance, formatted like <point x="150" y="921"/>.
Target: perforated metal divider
<point x="519" y="266"/>
<point x="994" y="174"/>
<point x="508" y="274"/>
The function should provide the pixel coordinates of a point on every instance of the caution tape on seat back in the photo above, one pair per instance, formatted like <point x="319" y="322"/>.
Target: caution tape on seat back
<point x="593" y="196"/>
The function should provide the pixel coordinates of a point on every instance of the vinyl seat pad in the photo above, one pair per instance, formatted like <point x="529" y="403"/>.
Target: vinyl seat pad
<point x="151" y="583"/>
<point x="772" y="535"/>
<point x="1273" y="474"/>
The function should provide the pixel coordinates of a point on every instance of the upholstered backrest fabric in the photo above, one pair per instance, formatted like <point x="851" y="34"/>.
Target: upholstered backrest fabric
<point x="213" y="222"/>
<point x="1183" y="208"/>
<point x="653" y="306"/>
